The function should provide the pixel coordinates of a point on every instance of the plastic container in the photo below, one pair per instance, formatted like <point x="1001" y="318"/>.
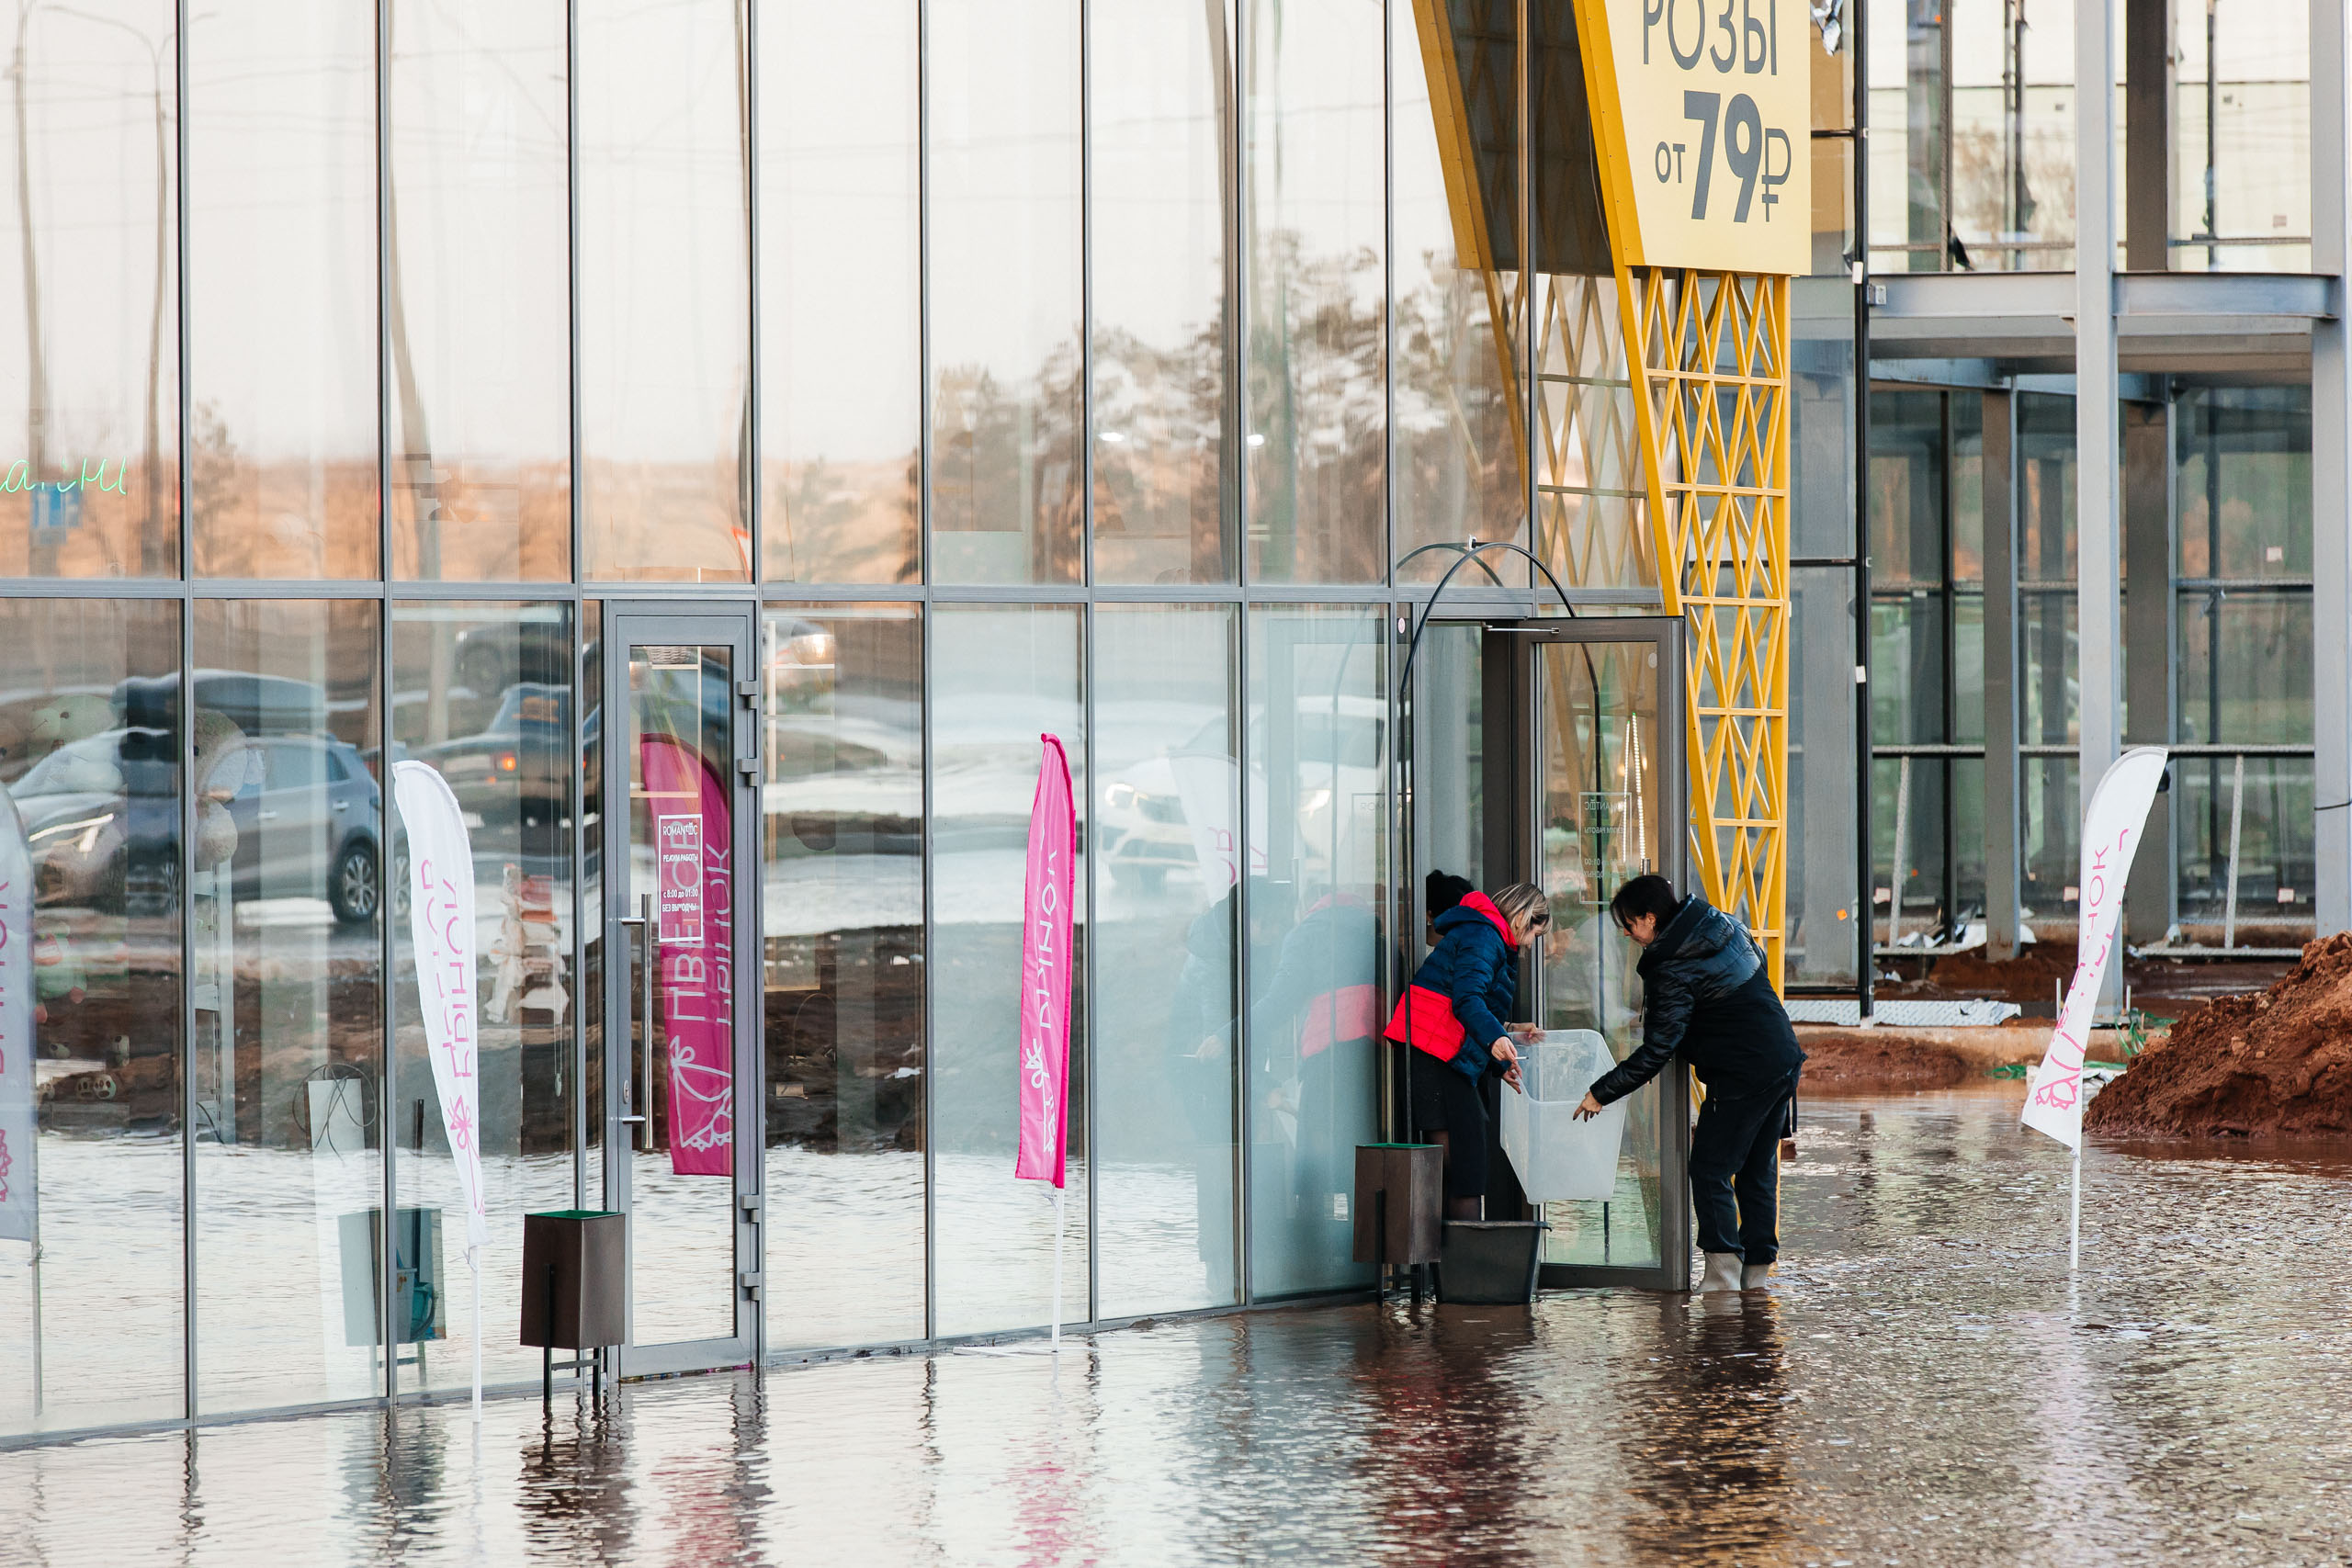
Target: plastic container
<point x="1557" y="1157"/>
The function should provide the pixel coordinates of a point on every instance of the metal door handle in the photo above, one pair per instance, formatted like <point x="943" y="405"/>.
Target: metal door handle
<point x="266" y="815"/>
<point x="643" y="920"/>
<point x="343" y="806"/>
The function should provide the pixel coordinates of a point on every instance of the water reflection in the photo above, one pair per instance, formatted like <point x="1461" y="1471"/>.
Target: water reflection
<point x="1921" y="1388"/>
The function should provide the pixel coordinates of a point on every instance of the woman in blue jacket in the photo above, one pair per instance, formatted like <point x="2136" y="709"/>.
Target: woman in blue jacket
<point x="1454" y="1013"/>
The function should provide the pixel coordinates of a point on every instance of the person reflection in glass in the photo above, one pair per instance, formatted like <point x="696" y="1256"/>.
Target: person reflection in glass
<point x="1311" y="1032"/>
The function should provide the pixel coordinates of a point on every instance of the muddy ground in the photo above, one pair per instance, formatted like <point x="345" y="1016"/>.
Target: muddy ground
<point x="2277" y="1060"/>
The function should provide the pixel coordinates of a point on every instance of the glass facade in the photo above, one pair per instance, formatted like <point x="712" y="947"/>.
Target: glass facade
<point x="940" y="376"/>
<point x="1972" y="135"/>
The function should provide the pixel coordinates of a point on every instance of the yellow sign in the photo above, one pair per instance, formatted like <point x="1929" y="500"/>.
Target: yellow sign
<point x="1702" y="116"/>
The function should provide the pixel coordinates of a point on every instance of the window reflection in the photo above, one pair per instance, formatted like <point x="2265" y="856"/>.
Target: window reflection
<point x="1167" y="863"/>
<point x="282" y="258"/>
<point x="89" y="401"/>
<point x="1000" y="676"/>
<point x="840" y="341"/>
<point x="1316" y="419"/>
<point x="1317" y="749"/>
<point x="665" y="292"/>
<point x="843" y="970"/>
<point x="1007" y="393"/>
<point x="482" y="694"/>
<point x="286" y="1059"/>
<point x="1461" y="422"/>
<point x="477" y="322"/>
<point x="1163" y="203"/>
<point x="91" y="1317"/>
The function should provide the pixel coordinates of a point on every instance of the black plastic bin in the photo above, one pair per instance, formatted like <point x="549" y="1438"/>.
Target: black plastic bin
<point x="1490" y="1262"/>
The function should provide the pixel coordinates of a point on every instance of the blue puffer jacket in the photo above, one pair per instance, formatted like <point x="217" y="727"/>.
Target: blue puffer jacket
<point x="1704" y="993"/>
<point x="1474" y="967"/>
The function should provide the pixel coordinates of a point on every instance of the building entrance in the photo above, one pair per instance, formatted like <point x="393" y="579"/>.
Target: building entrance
<point x="682" y="694"/>
<point x="1551" y="751"/>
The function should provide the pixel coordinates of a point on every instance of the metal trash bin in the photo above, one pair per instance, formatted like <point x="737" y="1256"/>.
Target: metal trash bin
<point x="1490" y="1262"/>
<point x="1396" y="1211"/>
<point x="576" y="1283"/>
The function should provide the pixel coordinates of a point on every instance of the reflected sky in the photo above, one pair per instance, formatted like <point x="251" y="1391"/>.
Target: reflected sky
<point x="1922" y="1388"/>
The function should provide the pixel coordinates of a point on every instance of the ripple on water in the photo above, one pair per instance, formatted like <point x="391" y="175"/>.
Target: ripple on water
<point x="1925" y="1386"/>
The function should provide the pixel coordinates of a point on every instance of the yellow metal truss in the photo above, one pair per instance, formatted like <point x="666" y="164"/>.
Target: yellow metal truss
<point x="1712" y="357"/>
<point x="1661" y="446"/>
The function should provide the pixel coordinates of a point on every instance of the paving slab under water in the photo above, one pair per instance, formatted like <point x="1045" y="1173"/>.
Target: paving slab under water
<point x="1924" y="1386"/>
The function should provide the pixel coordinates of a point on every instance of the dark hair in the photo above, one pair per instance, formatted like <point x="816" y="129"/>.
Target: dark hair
<point x="1643" y="896"/>
<point x="1444" y="890"/>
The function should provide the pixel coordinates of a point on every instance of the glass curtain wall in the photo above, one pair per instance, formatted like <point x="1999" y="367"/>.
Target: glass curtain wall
<point x="842" y="968"/>
<point x="287" y="1064"/>
<point x="1315" y="336"/>
<point x="1910" y="660"/>
<point x="482" y="693"/>
<point x="663" y="317"/>
<point x="281" y="280"/>
<point x="840" y="360"/>
<point x="1168" y="868"/>
<point x="1006" y="292"/>
<point x="2242" y="183"/>
<point x="2244" y="615"/>
<point x="1461" y="431"/>
<point x="1163" y="203"/>
<point x="1000" y="676"/>
<point x="92" y="1313"/>
<point x="1315" y="814"/>
<point x="89" y="364"/>
<point x="2048" y="693"/>
<point x="477" y="321"/>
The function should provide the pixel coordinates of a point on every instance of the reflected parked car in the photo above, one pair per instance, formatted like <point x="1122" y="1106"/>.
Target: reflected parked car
<point x="519" y="763"/>
<point x="308" y="819"/>
<point x="1146" y="833"/>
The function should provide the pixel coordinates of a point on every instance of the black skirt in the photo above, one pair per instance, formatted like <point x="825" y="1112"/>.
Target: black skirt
<point x="1446" y="1101"/>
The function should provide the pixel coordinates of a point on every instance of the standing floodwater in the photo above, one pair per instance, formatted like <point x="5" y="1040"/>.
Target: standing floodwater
<point x="1923" y="1387"/>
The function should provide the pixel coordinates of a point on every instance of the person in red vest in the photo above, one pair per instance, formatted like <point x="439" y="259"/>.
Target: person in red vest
<point x="1453" y="1012"/>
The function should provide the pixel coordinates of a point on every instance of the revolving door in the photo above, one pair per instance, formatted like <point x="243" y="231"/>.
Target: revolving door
<point x="1551" y="751"/>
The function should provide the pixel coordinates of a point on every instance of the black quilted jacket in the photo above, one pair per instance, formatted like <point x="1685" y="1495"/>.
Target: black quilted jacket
<point x="1706" y="994"/>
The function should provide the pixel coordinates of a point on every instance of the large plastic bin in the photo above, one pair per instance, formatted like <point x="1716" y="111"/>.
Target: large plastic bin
<point x="1557" y="1157"/>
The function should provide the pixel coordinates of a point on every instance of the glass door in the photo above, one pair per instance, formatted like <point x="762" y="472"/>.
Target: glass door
<point x="1601" y="726"/>
<point x="681" y="1005"/>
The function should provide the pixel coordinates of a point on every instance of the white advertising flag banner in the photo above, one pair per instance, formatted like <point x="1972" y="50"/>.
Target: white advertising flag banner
<point x="2111" y="829"/>
<point x="19" y="1189"/>
<point x="441" y="924"/>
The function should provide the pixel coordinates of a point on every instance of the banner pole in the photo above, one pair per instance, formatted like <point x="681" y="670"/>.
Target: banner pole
<point x="1058" y="1197"/>
<point x="2074" y="1225"/>
<point x="473" y="1263"/>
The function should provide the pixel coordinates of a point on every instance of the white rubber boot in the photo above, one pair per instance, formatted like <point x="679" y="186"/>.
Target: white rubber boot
<point x="1723" y="1272"/>
<point x="1755" y="1276"/>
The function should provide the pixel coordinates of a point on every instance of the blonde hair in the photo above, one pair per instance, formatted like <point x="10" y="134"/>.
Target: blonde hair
<point x="1525" y="908"/>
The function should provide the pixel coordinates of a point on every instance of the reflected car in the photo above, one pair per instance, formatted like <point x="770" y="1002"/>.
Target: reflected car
<point x="1144" y="832"/>
<point x="308" y="821"/>
<point x="521" y="762"/>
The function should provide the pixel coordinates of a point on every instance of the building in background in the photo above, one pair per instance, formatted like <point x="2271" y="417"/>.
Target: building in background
<point x="772" y="415"/>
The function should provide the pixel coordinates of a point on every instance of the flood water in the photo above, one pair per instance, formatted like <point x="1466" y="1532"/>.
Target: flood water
<point x="1925" y="1386"/>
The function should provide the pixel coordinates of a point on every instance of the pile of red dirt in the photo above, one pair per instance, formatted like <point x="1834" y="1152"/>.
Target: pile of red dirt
<point x="2272" y="1061"/>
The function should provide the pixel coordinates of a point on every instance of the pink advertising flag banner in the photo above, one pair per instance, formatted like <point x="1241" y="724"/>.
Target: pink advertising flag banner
<point x="1045" y="973"/>
<point x="19" y="1188"/>
<point x="2119" y="810"/>
<point x="694" y="920"/>
<point x="441" y="925"/>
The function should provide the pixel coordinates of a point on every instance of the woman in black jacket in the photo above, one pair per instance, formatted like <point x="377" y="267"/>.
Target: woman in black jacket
<point x="1454" y="1013"/>
<point x="1706" y="994"/>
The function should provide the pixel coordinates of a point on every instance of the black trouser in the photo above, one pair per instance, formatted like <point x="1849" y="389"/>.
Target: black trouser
<point x="1735" y="1171"/>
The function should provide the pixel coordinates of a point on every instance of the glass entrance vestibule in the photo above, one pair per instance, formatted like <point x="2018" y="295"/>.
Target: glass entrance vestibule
<point x="1551" y="751"/>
